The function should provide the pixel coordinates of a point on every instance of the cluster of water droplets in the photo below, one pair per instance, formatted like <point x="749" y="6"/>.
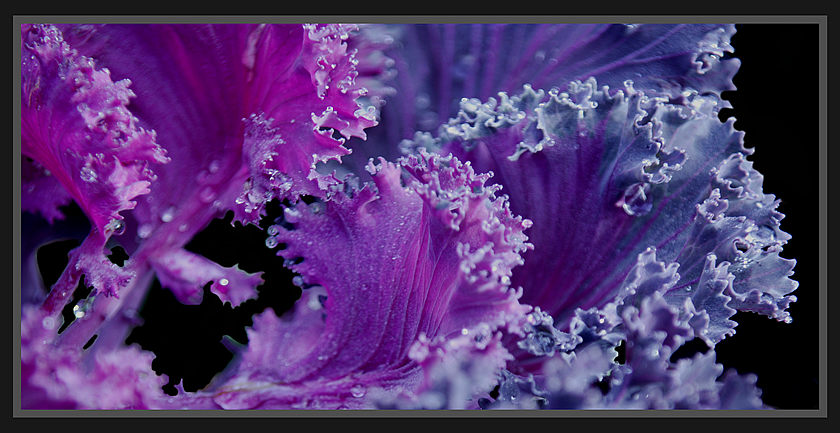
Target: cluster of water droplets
<point x="87" y="174"/>
<point x="752" y="247"/>
<point x="249" y="196"/>
<point x="271" y="241"/>
<point x="291" y="216"/>
<point x="256" y="194"/>
<point x="144" y="231"/>
<point x="208" y="192"/>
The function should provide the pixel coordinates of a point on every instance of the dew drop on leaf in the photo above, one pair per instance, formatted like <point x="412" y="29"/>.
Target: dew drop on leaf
<point x="144" y="231"/>
<point x="358" y="390"/>
<point x="168" y="214"/>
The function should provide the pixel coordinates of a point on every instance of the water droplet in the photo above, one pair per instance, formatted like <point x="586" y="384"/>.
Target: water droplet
<point x="358" y="390"/>
<point x="116" y="227"/>
<point x="202" y="177"/>
<point x="48" y="323"/>
<point x="539" y="56"/>
<point x="224" y="282"/>
<point x="422" y="101"/>
<point x="316" y="207"/>
<point x="637" y="200"/>
<point x="88" y="175"/>
<point x="168" y="214"/>
<point x="271" y="242"/>
<point x="291" y="215"/>
<point x="183" y="227"/>
<point x="144" y="231"/>
<point x="78" y="311"/>
<point x="214" y="166"/>
<point x="207" y="194"/>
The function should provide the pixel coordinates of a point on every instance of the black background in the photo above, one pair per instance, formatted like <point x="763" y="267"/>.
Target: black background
<point x="776" y="104"/>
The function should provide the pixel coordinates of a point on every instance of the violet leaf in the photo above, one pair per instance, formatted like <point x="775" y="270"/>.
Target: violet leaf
<point x="292" y="85"/>
<point x="430" y="266"/>
<point x="605" y="175"/>
<point x="435" y="65"/>
<point x="77" y="128"/>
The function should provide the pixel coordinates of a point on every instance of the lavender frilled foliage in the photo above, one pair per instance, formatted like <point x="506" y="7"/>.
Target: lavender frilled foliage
<point x="670" y="181"/>
<point x="432" y="67"/>
<point x="583" y="196"/>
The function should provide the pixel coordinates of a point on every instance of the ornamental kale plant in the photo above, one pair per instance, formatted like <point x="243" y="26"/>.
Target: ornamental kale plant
<point x="473" y="216"/>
